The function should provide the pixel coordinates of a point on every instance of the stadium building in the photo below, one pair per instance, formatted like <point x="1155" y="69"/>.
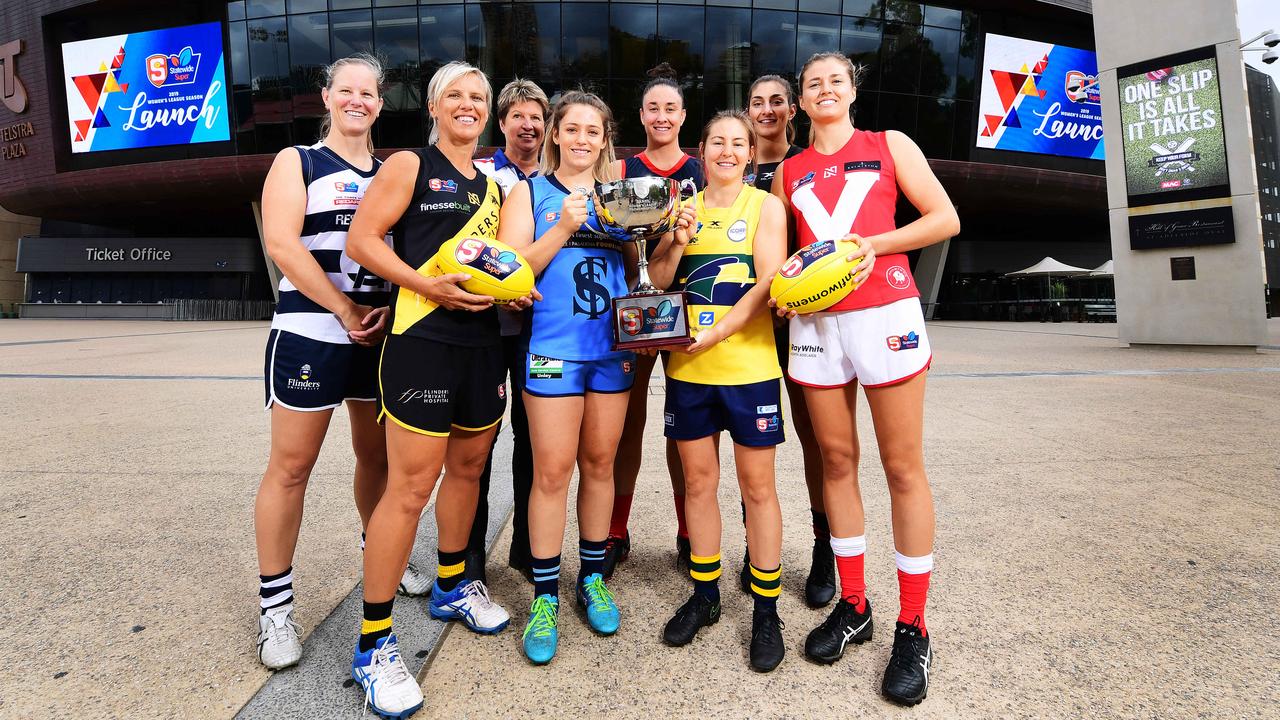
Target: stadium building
<point x="135" y="136"/>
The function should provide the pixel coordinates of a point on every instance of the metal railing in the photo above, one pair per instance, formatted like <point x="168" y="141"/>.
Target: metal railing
<point x="189" y="309"/>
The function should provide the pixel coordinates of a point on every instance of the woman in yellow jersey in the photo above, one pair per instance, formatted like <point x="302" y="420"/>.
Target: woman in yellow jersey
<point x="728" y="379"/>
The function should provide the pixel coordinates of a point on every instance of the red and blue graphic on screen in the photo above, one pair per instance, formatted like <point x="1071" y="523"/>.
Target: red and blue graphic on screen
<point x="161" y="87"/>
<point x="1040" y="98"/>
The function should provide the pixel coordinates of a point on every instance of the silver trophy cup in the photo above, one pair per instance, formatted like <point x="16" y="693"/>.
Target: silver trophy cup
<point x="638" y="210"/>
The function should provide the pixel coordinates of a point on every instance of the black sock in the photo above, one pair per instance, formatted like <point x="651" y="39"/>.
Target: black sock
<point x="376" y="624"/>
<point x="546" y="576"/>
<point x="590" y="558"/>
<point x="821" y="531"/>
<point x="450" y="569"/>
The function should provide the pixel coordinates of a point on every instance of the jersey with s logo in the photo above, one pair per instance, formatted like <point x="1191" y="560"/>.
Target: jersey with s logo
<point x="854" y="190"/>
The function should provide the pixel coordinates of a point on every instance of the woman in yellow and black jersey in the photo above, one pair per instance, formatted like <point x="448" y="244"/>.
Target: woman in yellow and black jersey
<point x="441" y="377"/>
<point x="728" y="379"/>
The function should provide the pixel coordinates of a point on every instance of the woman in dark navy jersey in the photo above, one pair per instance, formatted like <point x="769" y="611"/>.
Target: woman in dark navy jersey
<point x="771" y="105"/>
<point x="662" y="113"/>
<point x="845" y="186"/>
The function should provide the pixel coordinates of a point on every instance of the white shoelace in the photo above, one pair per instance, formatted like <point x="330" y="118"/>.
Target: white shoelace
<point x="478" y="594"/>
<point x="386" y="666"/>
<point x="277" y="626"/>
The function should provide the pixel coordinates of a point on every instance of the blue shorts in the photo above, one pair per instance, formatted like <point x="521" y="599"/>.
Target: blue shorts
<point x="548" y="377"/>
<point x="308" y="375"/>
<point x="751" y="413"/>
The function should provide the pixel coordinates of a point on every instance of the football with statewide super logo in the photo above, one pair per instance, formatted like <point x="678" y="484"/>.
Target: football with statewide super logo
<point x="816" y="277"/>
<point x="496" y="270"/>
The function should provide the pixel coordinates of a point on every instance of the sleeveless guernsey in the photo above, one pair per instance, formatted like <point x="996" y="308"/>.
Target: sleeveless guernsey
<point x="763" y="176"/>
<point x="334" y="189"/>
<point x="445" y="205"/>
<point x="574" y="319"/>
<point x="717" y="269"/>
<point x="854" y="190"/>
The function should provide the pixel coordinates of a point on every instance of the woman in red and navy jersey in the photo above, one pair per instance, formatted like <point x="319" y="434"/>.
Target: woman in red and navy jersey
<point x="662" y="113"/>
<point x="845" y="186"/>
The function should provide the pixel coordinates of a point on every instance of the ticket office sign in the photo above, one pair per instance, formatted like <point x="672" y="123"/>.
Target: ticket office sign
<point x="1171" y="122"/>
<point x="146" y="89"/>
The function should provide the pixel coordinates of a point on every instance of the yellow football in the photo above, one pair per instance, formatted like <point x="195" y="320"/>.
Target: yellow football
<point x="816" y="277"/>
<point x="496" y="270"/>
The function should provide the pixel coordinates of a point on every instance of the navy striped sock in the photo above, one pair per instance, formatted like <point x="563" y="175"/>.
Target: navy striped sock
<point x="546" y="576"/>
<point x="275" y="590"/>
<point x="591" y="557"/>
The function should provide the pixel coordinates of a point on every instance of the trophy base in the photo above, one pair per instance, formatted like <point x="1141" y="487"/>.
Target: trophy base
<point x="649" y="320"/>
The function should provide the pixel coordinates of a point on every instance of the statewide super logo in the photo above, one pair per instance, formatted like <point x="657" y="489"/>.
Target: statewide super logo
<point x="661" y="318"/>
<point x="910" y="341"/>
<point x="449" y="186"/>
<point x="806" y="257"/>
<point x="170" y="70"/>
<point x="1082" y="88"/>
<point x="769" y="424"/>
<point x="486" y="258"/>
<point x="346" y="187"/>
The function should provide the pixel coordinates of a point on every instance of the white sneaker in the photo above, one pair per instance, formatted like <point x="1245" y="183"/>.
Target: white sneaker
<point x="279" y="638"/>
<point x="470" y="603"/>
<point x="414" y="581"/>
<point x="388" y="687"/>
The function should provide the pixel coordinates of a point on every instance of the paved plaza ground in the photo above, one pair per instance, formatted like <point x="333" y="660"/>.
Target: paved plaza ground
<point x="1107" y="546"/>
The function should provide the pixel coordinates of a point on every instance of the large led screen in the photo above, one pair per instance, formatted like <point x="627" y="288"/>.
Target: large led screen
<point x="161" y="87"/>
<point x="1171" y="119"/>
<point x="1039" y="97"/>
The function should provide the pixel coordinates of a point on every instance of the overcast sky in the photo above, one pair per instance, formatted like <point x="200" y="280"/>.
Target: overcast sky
<point x="1254" y="17"/>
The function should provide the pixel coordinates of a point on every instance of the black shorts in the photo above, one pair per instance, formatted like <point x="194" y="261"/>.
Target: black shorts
<point x="432" y="387"/>
<point x="309" y="375"/>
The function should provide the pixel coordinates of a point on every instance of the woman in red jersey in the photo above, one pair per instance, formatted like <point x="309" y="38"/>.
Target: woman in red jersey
<point x="662" y="113"/>
<point x="845" y="186"/>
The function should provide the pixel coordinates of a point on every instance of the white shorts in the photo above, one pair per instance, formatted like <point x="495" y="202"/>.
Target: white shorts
<point x="877" y="346"/>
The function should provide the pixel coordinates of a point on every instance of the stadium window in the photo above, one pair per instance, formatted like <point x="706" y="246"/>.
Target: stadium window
<point x="584" y="42"/>
<point x="939" y="55"/>
<point x="537" y="42"/>
<point x="814" y="34"/>
<point x="307" y="6"/>
<point x="441" y="33"/>
<point x="264" y="8"/>
<point x="773" y="42"/>
<point x="633" y="40"/>
<point x="351" y="32"/>
<point x="943" y="17"/>
<point x="864" y="8"/>
<point x="860" y="39"/>
<point x="820" y="6"/>
<point x="395" y="40"/>
<point x="905" y="11"/>
<point x="900" y="57"/>
<point x="681" y="38"/>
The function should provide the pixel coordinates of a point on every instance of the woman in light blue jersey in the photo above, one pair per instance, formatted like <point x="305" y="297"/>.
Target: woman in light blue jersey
<point x="576" y="384"/>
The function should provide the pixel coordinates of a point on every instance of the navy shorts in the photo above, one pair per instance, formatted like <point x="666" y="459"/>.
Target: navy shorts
<point x="549" y="377"/>
<point x="309" y="375"/>
<point x="751" y="413"/>
<point x="431" y="387"/>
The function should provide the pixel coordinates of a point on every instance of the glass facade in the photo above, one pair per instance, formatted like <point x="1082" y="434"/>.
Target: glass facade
<point x="920" y="60"/>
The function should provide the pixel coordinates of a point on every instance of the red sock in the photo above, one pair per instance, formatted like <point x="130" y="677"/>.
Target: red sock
<point x="853" y="584"/>
<point x="682" y="530"/>
<point x="913" y="589"/>
<point x="621" y="513"/>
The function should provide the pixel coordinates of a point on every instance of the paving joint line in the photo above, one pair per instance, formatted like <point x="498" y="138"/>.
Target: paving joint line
<point x="53" y="341"/>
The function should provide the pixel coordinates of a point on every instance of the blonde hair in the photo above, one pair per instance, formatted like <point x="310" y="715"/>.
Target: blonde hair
<point x="739" y="115"/>
<point x="855" y="75"/>
<point x="518" y="91"/>
<point x="791" y="99"/>
<point x="551" y="151"/>
<point x="441" y="80"/>
<point x="331" y="70"/>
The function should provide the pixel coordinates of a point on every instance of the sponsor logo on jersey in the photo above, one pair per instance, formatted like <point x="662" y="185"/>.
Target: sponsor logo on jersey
<point x="438" y="206"/>
<point x="426" y="397"/>
<point x="862" y="165"/>
<point x="738" y="231"/>
<point x="808" y="178"/>
<point x="831" y="172"/>
<point x="344" y="201"/>
<point x="910" y="341"/>
<point x="626" y="367"/>
<point x="769" y="424"/>
<point x="706" y="317"/>
<point x="668" y="418"/>
<point x="473" y="198"/>
<point x="346" y="187"/>
<point x="749" y="179"/>
<point x="545" y="368"/>
<point x="552" y="216"/>
<point x="766" y="409"/>
<point x="502" y="391"/>
<point x="305" y="372"/>
<point x="897" y="278"/>
<point x="449" y="186"/>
